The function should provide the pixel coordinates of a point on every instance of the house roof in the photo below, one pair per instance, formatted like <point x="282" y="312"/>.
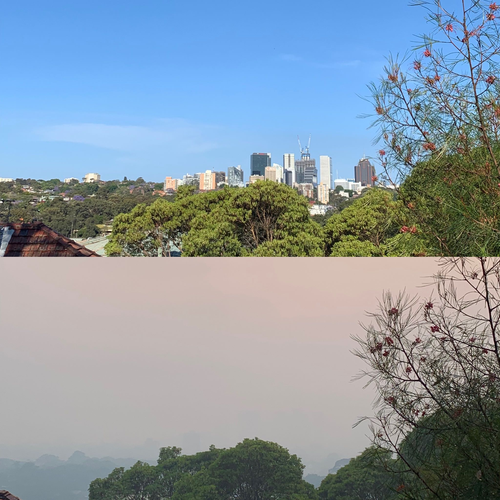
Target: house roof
<point x="37" y="240"/>
<point x="5" y="495"/>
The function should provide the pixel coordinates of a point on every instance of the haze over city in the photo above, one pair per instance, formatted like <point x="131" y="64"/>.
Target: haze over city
<point x="162" y="89"/>
<point x="124" y="356"/>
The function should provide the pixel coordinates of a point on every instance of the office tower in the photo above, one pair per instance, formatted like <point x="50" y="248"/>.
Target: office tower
<point x="363" y="172"/>
<point x="325" y="171"/>
<point x="323" y="193"/>
<point x="270" y="174"/>
<point x="207" y="181"/>
<point x="310" y="172"/>
<point x="305" y="168"/>
<point x="288" y="178"/>
<point x="220" y="178"/>
<point x="235" y="176"/>
<point x="289" y="165"/>
<point x="279" y="172"/>
<point x="259" y="162"/>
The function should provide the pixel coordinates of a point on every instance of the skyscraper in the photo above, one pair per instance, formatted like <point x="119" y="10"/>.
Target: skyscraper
<point x="235" y="176"/>
<point x="289" y="165"/>
<point x="325" y="171"/>
<point x="363" y="172"/>
<point x="259" y="162"/>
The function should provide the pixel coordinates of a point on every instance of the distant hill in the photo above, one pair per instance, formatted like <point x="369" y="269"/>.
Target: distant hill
<point x="50" y="478"/>
<point x="339" y="464"/>
<point x="314" y="479"/>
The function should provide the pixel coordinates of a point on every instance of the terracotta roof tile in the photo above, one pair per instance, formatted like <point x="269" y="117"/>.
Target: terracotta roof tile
<point x="38" y="240"/>
<point x="5" y="495"/>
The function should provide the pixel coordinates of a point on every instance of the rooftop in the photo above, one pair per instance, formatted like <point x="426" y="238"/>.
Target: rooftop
<point x="37" y="240"/>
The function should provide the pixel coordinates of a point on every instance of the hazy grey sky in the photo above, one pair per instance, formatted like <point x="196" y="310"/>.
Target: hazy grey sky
<point x="102" y="355"/>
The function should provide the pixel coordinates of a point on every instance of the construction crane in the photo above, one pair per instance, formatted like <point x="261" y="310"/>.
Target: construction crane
<point x="304" y="152"/>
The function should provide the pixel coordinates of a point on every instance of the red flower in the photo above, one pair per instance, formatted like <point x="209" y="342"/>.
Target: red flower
<point x="490" y="79"/>
<point x="434" y="328"/>
<point x="408" y="369"/>
<point x="423" y="359"/>
<point x="389" y="341"/>
<point x="417" y="65"/>
<point x="449" y="27"/>
<point x="393" y="78"/>
<point x="437" y="78"/>
<point x="409" y="91"/>
<point x="427" y="53"/>
<point x="385" y="353"/>
<point x="374" y="178"/>
<point x="379" y="110"/>
<point x="381" y="152"/>
<point x="429" y="305"/>
<point x="490" y="16"/>
<point x="493" y="6"/>
<point x="429" y="146"/>
<point x="413" y="229"/>
<point x="404" y="229"/>
<point x="472" y="340"/>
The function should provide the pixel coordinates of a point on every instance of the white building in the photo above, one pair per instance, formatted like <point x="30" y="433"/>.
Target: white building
<point x="69" y="179"/>
<point x="92" y="178"/>
<point x="279" y="172"/>
<point x="325" y="171"/>
<point x="289" y="164"/>
<point x="348" y="184"/>
<point x="6" y="179"/>
<point x="319" y="209"/>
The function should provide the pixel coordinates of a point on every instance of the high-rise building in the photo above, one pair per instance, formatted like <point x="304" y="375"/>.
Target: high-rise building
<point x="279" y="172"/>
<point x="288" y="178"/>
<point x="259" y="162"/>
<point x="220" y="178"/>
<point x="235" y="176"/>
<point x="325" y="171"/>
<point x="363" y="172"/>
<point x="207" y="181"/>
<point x="323" y="193"/>
<point x="310" y="172"/>
<point x="270" y="174"/>
<point x="289" y="165"/>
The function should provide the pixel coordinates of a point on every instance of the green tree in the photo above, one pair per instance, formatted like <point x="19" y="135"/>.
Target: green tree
<point x="252" y="470"/>
<point x="366" y="477"/>
<point x="265" y="219"/>
<point x="363" y="228"/>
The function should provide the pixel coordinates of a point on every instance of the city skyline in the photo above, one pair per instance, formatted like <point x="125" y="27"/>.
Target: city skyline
<point x="93" y="87"/>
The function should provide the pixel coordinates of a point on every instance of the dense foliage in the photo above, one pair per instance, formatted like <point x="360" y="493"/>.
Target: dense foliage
<point x="264" y="219"/>
<point x="74" y="209"/>
<point x="252" y="470"/>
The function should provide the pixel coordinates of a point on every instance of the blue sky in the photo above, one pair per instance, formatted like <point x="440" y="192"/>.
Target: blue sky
<point x="166" y="87"/>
